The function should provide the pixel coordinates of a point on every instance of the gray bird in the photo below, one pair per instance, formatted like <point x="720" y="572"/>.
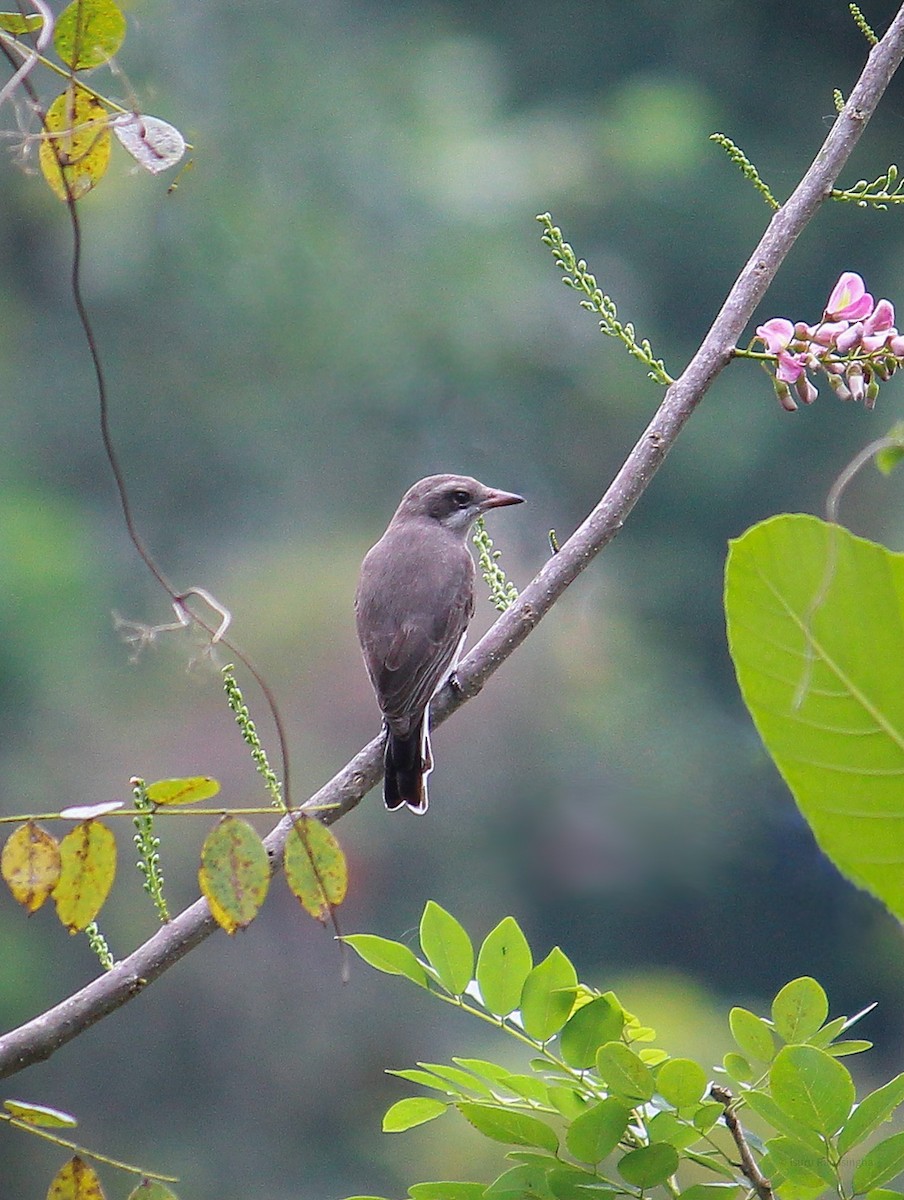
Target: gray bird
<point x="414" y="601"/>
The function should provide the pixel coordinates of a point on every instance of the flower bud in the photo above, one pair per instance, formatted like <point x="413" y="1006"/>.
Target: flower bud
<point x="785" y="399"/>
<point x="856" y="385"/>
<point x="849" y="338"/>
<point x="806" y="390"/>
<point x="872" y="395"/>
<point x="838" y="387"/>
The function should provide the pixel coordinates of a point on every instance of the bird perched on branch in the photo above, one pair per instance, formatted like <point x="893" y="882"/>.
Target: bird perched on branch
<point x="414" y="601"/>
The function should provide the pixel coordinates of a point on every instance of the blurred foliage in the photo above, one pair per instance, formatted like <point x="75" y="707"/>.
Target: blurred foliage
<point x="347" y="292"/>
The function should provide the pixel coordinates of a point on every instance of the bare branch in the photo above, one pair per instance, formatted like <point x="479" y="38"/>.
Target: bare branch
<point x="749" y="1165"/>
<point x="40" y="1038"/>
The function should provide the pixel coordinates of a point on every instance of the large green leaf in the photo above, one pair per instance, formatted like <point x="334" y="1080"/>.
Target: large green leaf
<point x="447" y="947"/>
<point x="816" y="630"/>
<point x="812" y="1087"/>
<point x="503" y="964"/>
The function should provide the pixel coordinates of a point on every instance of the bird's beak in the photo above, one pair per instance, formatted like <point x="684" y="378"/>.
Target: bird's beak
<point x="496" y="499"/>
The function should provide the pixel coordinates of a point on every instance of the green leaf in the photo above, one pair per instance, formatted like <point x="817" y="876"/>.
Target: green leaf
<point x="568" y="1182"/>
<point x="509" y="1125"/>
<point x="151" y="1189"/>
<point x="88" y="33"/>
<point x="706" y="1115"/>
<point x="799" y="1009"/>
<point x="668" y="1127"/>
<point x="446" y="1190"/>
<point x="681" y="1082"/>
<point x="817" y="640"/>
<point x="825" y="1036"/>
<point x="880" y="1164"/>
<point x="393" y="958"/>
<point x="884" y="1194"/>
<point x="463" y="1080"/>
<point x="709" y="1191"/>
<point x="650" y="1165"/>
<point x="528" y="1087"/>
<point x="800" y="1164"/>
<point x="39" y="1114"/>
<point x="870" y="1113"/>
<point x="16" y="23"/>
<point x="548" y="995"/>
<point x="520" y="1183"/>
<point x="737" y="1067"/>
<point x="594" y="1024"/>
<point x="593" y="1135"/>
<point x="503" y="964"/>
<point x="752" y="1034"/>
<point x="426" y="1079"/>
<point x="766" y="1107"/>
<point x="447" y="948"/>
<point x="234" y="874"/>
<point x="625" y="1074"/>
<point x="854" y="1046"/>
<point x="888" y="457"/>
<point x="315" y="867"/>
<point x="413" y="1111"/>
<point x="711" y="1163"/>
<point x="812" y="1087"/>
<point x="569" y="1102"/>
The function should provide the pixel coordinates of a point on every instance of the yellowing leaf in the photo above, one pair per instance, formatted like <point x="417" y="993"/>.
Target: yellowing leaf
<point x="39" y="1114"/>
<point x="234" y="873"/>
<point x="315" y="866"/>
<point x="75" y="1181"/>
<point x="183" y="791"/>
<point x="88" y="33"/>
<point x="87" y="871"/>
<point x="30" y="865"/>
<point x="154" y="144"/>
<point x="151" y="1189"/>
<point x="76" y="144"/>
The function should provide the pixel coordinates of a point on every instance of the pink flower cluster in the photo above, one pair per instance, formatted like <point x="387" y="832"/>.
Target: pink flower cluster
<point x="855" y="345"/>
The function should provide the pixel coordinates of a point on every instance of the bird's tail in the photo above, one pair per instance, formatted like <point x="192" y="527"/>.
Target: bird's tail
<point x="407" y="761"/>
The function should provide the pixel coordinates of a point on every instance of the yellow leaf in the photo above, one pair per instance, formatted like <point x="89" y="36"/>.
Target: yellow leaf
<point x="183" y="791"/>
<point x="39" y="1114"/>
<point x="30" y="865"/>
<point x="76" y="143"/>
<point x="75" y="1181"/>
<point x="86" y="875"/>
<point x="315" y="866"/>
<point x="234" y="873"/>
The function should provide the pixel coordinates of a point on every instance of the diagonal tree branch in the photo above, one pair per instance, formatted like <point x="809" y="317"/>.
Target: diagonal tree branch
<point x="41" y="1037"/>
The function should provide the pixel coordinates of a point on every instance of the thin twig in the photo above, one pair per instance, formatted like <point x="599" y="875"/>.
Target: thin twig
<point x="38" y="1039"/>
<point x="749" y="1165"/>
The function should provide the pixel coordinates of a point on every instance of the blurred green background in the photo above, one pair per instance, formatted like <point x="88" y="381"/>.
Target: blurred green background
<point x="346" y="293"/>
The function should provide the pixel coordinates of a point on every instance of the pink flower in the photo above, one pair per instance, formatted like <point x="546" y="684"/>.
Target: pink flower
<point x="826" y="333"/>
<point x="849" y="338"/>
<point x="881" y="318"/>
<point x="849" y="300"/>
<point x="776" y="334"/>
<point x="789" y="368"/>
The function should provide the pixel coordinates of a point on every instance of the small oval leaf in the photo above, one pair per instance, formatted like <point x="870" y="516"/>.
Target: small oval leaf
<point x="752" y="1034"/>
<point x="30" y="865"/>
<point x="234" y="874"/>
<point x="503" y="964"/>
<point x="592" y="1026"/>
<point x="509" y="1125"/>
<point x="39" y="1114"/>
<point x="75" y="149"/>
<point x="880" y="1164"/>
<point x="315" y="867"/>
<point x="16" y="23"/>
<point x="547" y="997"/>
<point x="75" y="1180"/>
<point x="87" y="871"/>
<point x="88" y="33"/>
<point x="624" y="1072"/>
<point x="681" y="1082"/>
<point x="447" y="948"/>
<point x="593" y="1135"/>
<point x="650" y="1165"/>
<point x="154" y="144"/>
<point x="812" y="1087"/>
<point x="393" y="958"/>
<point x="799" y="1009"/>
<point x="416" y="1110"/>
<point x="183" y="791"/>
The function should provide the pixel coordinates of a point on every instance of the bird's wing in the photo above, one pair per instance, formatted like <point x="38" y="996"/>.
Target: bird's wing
<point x="418" y="658"/>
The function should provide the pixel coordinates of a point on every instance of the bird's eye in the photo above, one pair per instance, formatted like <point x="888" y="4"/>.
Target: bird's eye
<point x="461" y="497"/>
